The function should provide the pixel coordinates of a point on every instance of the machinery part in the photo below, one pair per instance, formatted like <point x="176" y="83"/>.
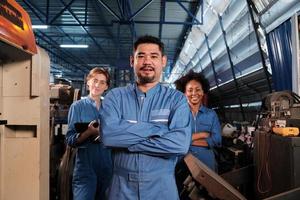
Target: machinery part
<point x="279" y="104"/>
<point x="280" y="109"/>
<point x="283" y="100"/>
<point x="3" y="122"/>
<point x="288" y="195"/>
<point x="65" y="174"/>
<point x="61" y="161"/>
<point x="215" y="185"/>
<point x="238" y="177"/>
<point x="286" y="131"/>
<point x="24" y="140"/>
<point x="63" y="94"/>
<point x="276" y="164"/>
<point x="77" y="95"/>
<point x="228" y="130"/>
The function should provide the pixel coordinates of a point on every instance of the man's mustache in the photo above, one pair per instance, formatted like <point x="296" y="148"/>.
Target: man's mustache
<point x="152" y="68"/>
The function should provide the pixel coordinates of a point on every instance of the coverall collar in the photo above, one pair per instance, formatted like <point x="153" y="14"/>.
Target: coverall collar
<point x="149" y="93"/>
<point x="203" y="109"/>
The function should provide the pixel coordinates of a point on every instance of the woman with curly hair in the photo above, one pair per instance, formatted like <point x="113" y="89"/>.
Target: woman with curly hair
<point x="206" y="130"/>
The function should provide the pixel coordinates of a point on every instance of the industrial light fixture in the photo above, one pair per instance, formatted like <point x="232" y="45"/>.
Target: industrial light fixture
<point x="98" y="65"/>
<point x="39" y="26"/>
<point x="74" y="46"/>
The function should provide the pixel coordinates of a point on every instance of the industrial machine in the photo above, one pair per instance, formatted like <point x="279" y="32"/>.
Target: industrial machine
<point x="61" y="168"/>
<point x="277" y="146"/>
<point x="276" y="158"/>
<point x="24" y="108"/>
<point x="203" y="183"/>
<point x="280" y="109"/>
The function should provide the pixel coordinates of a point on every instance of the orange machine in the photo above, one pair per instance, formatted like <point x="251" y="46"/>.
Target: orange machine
<point x="15" y="26"/>
<point x="24" y="108"/>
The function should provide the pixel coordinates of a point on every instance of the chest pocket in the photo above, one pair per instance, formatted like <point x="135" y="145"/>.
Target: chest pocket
<point x="160" y="116"/>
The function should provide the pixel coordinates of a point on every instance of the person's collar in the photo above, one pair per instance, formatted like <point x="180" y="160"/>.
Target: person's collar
<point x="202" y="109"/>
<point x="150" y="92"/>
<point x="91" y="99"/>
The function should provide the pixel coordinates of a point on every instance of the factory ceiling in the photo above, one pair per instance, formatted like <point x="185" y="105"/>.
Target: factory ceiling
<point x="108" y="27"/>
<point x="224" y="39"/>
<point x="230" y="49"/>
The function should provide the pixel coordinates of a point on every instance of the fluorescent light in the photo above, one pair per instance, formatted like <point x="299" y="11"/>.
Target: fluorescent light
<point x="74" y="46"/>
<point x="39" y="26"/>
<point x="98" y="65"/>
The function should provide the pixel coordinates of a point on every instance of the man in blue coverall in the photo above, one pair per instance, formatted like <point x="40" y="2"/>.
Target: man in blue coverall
<point x="147" y="125"/>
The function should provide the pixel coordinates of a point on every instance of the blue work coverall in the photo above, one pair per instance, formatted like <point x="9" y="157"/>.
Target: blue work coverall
<point x="207" y="120"/>
<point x="93" y="165"/>
<point x="147" y="132"/>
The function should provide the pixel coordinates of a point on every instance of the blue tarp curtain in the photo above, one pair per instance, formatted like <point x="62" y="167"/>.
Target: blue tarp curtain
<point x="280" y="55"/>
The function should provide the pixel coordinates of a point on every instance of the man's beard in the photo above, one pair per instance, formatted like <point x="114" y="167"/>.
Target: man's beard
<point x="145" y="79"/>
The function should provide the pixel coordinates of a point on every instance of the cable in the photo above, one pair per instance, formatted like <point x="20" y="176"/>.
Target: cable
<point x="263" y="158"/>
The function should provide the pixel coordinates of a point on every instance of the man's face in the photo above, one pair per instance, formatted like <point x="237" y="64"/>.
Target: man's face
<point x="148" y="63"/>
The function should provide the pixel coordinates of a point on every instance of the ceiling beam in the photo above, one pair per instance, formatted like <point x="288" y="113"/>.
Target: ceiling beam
<point x="109" y="10"/>
<point x="34" y="9"/>
<point x="140" y="10"/>
<point x="87" y="32"/>
<point x="190" y="14"/>
<point x="61" y="12"/>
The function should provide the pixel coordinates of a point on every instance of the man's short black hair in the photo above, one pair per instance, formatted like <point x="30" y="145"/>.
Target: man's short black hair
<point x="150" y="39"/>
<point x="191" y="75"/>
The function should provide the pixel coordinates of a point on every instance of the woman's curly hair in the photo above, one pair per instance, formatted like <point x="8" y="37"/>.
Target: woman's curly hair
<point x="191" y="75"/>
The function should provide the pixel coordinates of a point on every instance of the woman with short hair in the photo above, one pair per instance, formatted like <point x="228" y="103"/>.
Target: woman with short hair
<point x="93" y="165"/>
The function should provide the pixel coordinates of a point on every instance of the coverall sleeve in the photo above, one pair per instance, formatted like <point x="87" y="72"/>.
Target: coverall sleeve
<point x="120" y="133"/>
<point x="175" y="141"/>
<point x="73" y="116"/>
<point x="215" y="137"/>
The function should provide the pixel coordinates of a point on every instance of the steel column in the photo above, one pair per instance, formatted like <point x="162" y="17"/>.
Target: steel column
<point x="162" y="16"/>
<point x="132" y="26"/>
<point x="255" y="27"/>
<point x="232" y="67"/>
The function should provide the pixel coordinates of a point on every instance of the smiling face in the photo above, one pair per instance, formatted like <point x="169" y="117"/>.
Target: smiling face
<point x="194" y="92"/>
<point x="148" y="63"/>
<point x="97" y="84"/>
